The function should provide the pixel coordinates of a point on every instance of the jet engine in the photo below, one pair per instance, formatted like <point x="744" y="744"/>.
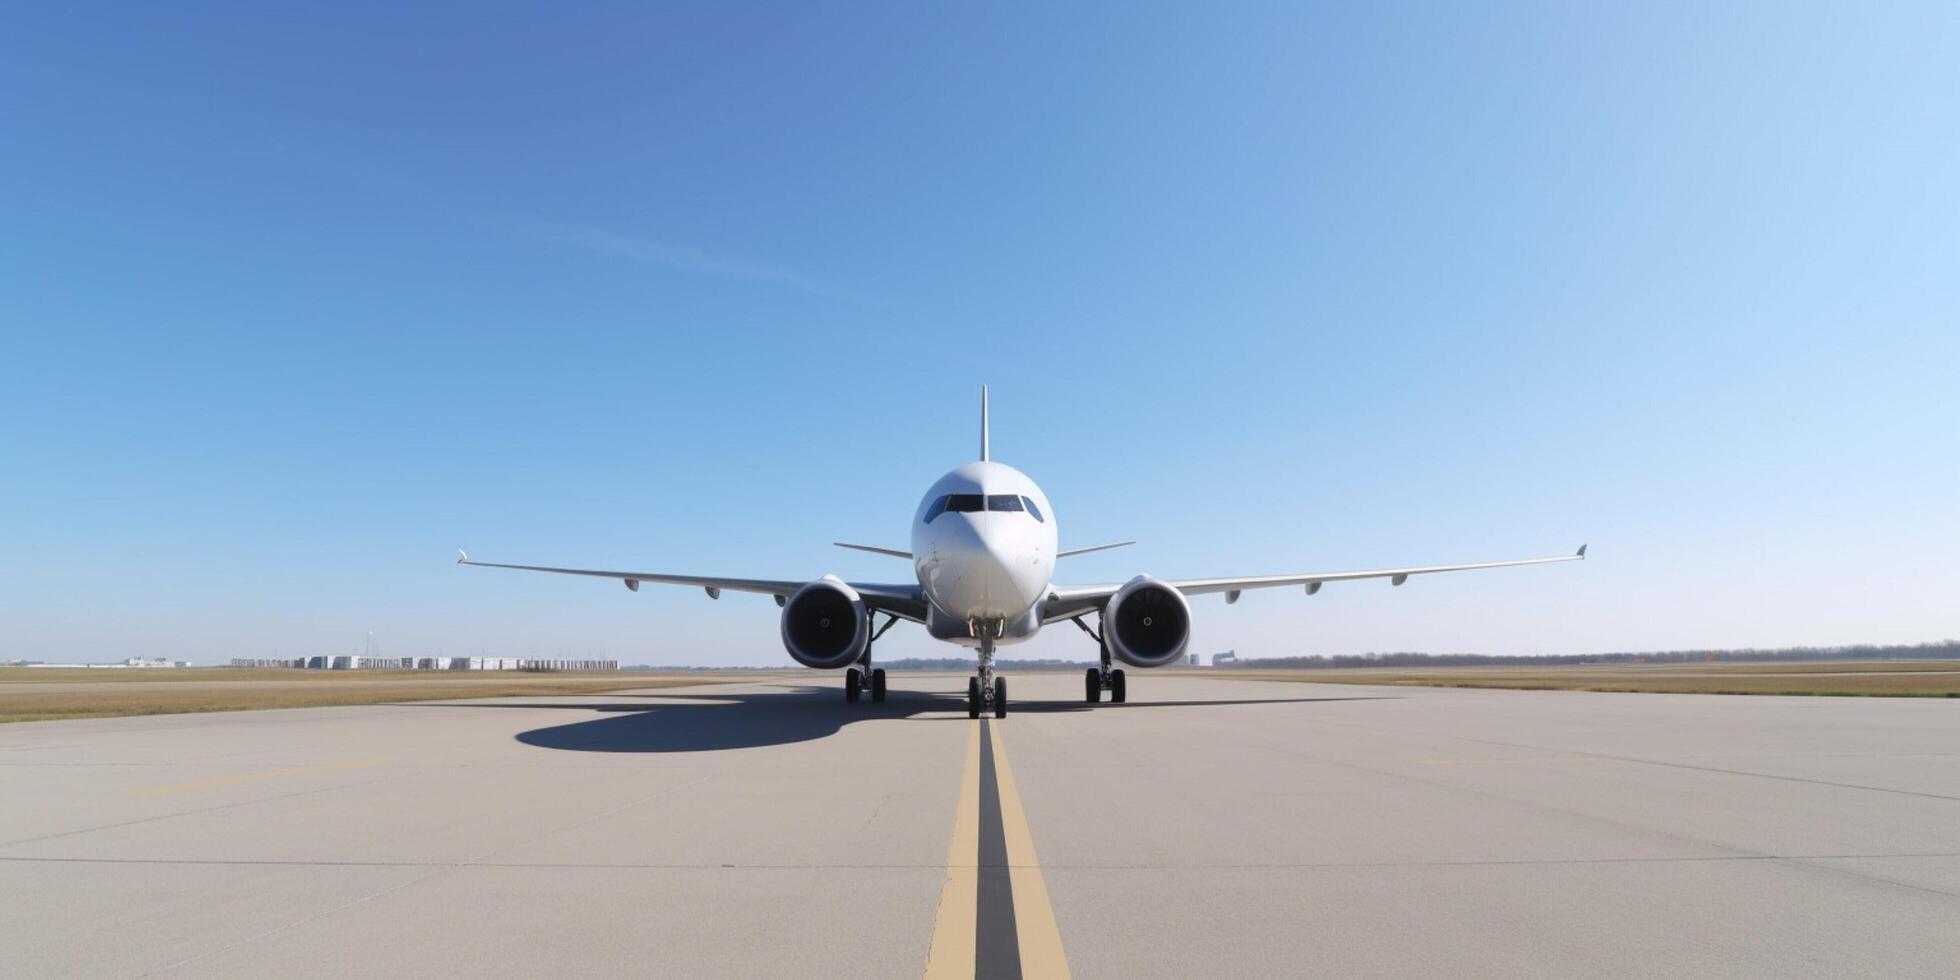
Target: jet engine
<point x="825" y="624"/>
<point x="1147" y="623"/>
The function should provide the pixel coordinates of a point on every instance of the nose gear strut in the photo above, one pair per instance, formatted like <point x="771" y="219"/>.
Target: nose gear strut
<point x="985" y="690"/>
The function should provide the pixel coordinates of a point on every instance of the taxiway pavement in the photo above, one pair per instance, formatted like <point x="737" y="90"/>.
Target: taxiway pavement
<point x="1210" y="827"/>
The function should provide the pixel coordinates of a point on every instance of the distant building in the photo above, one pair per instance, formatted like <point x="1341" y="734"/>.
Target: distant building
<point x="1195" y="658"/>
<point x="1228" y="657"/>
<point x="370" y="658"/>
<point x="356" y="662"/>
<point x="129" y="663"/>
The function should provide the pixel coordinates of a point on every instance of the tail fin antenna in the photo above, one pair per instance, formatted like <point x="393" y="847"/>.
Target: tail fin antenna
<point x="984" y="454"/>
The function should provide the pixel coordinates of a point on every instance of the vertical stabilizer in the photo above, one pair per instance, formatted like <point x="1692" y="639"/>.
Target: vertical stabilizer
<point x="984" y="455"/>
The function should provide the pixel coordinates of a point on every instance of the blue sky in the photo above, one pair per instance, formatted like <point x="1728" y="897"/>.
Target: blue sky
<point x="297" y="298"/>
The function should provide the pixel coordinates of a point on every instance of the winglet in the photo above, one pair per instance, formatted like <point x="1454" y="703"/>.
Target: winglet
<point x="462" y="557"/>
<point x="1582" y="551"/>
<point x="985" y="455"/>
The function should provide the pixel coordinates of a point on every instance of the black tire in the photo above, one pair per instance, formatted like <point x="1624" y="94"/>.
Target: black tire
<point x="973" y="697"/>
<point x="853" y="685"/>
<point x="1000" y="697"/>
<point x="878" y="685"/>
<point x="1092" y="685"/>
<point x="1118" y="690"/>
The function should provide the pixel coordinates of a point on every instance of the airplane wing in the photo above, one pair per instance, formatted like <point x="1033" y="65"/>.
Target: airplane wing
<point x="903" y="601"/>
<point x="1071" y="601"/>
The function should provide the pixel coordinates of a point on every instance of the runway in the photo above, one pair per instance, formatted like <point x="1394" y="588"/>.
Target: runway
<point x="1210" y="827"/>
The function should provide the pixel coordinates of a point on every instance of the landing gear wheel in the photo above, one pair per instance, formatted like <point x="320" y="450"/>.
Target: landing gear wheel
<point x="973" y="697"/>
<point x="1118" y="690"/>
<point x="878" y="685"/>
<point x="1000" y="697"/>
<point x="853" y="685"/>
<point x="1092" y="685"/>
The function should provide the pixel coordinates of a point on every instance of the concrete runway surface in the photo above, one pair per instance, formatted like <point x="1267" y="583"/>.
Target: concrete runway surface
<point x="1208" y="828"/>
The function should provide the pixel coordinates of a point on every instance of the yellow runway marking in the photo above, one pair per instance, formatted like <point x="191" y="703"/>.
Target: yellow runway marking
<point x="1034" y="918"/>
<point x="953" y="930"/>
<point x="251" y="777"/>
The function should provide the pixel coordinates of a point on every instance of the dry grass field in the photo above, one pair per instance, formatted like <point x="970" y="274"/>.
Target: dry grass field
<point x="1864" y="678"/>
<point x="41" y="694"/>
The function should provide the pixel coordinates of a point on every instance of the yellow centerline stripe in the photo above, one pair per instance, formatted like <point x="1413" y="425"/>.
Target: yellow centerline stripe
<point x="1034" y="917"/>
<point x="251" y="777"/>
<point x="953" y="931"/>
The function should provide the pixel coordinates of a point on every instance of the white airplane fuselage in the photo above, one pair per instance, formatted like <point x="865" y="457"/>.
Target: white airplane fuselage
<point x="983" y="546"/>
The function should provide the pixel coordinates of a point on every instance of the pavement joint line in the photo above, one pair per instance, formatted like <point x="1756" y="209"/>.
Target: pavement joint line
<point x="1656" y="762"/>
<point x="1419" y="776"/>
<point x="1503" y="761"/>
<point x="255" y="937"/>
<point x="218" y="781"/>
<point x="428" y="872"/>
<point x="200" y="810"/>
<point x="1874" y="878"/>
<point x="1738" y="852"/>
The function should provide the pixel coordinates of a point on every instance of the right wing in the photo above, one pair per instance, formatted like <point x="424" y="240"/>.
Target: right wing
<point x="1100" y="547"/>
<point x="903" y="601"/>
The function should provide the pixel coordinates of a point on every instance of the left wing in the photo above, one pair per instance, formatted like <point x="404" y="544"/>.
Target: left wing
<point x="874" y="549"/>
<point x="1069" y="602"/>
<point x="903" y="601"/>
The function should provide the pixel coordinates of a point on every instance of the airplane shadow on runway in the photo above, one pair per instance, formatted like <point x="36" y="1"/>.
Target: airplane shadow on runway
<point x="715" y="722"/>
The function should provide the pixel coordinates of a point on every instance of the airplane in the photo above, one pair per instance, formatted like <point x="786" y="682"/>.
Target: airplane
<point x="984" y="547"/>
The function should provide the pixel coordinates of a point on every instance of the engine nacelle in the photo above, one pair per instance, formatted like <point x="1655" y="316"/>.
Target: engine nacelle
<point x="825" y="624"/>
<point x="1147" y="623"/>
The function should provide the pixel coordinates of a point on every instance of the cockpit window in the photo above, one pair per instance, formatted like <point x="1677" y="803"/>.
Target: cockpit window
<point x="973" y="503"/>
<point x="958" y="503"/>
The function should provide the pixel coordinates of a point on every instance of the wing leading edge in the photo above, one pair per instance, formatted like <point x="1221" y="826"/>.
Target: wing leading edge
<point x="1066" y="603"/>
<point x="903" y="601"/>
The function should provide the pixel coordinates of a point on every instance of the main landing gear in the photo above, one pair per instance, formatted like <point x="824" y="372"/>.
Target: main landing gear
<point x="866" y="676"/>
<point x="1096" y="680"/>
<point x="986" y="690"/>
<point x="856" y="681"/>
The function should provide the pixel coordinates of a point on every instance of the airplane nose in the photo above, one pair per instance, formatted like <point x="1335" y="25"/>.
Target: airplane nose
<point x="990" y="580"/>
<point x="1012" y="578"/>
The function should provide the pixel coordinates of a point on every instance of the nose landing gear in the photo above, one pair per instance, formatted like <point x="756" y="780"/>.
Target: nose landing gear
<point x="986" y="690"/>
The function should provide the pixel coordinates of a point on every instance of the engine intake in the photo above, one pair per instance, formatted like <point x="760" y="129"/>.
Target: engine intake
<point x="1147" y="623"/>
<point x="825" y="624"/>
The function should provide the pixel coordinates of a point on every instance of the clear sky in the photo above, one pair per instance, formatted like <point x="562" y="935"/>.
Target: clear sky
<point x="295" y="299"/>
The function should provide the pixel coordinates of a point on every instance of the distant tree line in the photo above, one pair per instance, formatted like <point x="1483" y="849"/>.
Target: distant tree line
<point x="1941" y="650"/>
